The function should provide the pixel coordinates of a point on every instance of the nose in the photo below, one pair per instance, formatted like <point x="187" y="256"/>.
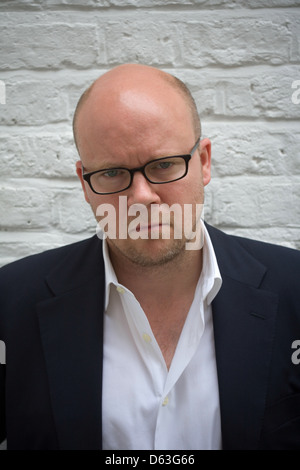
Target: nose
<point x="142" y="192"/>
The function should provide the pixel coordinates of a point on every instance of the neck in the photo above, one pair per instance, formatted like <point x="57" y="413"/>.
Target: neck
<point x="175" y="278"/>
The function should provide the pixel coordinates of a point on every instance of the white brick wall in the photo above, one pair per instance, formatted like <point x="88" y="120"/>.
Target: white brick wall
<point x="239" y="58"/>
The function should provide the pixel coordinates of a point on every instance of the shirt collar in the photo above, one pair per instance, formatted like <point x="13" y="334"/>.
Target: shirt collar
<point x="210" y="274"/>
<point x="110" y="275"/>
<point x="210" y="278"/>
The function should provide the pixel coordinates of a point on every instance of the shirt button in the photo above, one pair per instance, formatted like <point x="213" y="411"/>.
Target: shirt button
<point x="120" y="289"/>
<point x="166" y="401"/>
<point x="147" y="338"/>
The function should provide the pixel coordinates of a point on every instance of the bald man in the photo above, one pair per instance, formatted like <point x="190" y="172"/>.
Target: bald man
<point x="161" y="332"/>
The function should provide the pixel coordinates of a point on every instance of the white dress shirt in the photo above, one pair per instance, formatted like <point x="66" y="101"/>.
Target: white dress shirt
<point x="145" y="405"/>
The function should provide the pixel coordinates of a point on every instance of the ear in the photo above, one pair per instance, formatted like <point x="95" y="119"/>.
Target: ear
<point x="83" y="183"/>
<point x="205" y="156"/>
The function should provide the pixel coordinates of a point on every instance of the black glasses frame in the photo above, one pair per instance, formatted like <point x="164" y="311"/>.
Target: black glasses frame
<point x="186" y="158"/>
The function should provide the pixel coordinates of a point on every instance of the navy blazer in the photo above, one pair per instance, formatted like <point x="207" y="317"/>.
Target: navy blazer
<point x="51" y="319"/>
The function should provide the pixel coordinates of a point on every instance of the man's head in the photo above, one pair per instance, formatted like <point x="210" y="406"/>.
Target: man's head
<point x="128" y="117"/>
<point x="173" y="81"/>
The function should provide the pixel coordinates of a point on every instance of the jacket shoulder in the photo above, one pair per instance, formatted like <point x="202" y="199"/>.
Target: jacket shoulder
<point x="282" y="264"/>
<point x="272" y="255"/>
<point x="255" y="247"/>
<point x="40" y="264"/>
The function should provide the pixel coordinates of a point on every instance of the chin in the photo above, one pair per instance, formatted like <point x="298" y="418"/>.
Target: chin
<point x="149" y="253"/>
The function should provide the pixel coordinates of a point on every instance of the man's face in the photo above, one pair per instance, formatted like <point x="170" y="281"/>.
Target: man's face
<point x="128" y="129"/>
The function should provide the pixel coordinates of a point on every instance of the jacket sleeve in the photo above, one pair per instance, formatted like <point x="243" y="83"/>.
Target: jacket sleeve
<point x="2" y="403"/>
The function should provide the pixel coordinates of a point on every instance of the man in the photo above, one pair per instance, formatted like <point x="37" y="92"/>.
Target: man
<point x="141" y="342"/>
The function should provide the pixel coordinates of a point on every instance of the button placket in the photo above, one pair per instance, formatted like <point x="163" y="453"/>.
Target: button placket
<point x="147" y="338"/>
<point x="120" y="289"/>
<point x="165" y="401"/>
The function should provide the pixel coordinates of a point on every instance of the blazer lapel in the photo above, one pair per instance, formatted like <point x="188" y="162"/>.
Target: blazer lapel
<point x="244" y="323"/>
<point x="71" y="327"/>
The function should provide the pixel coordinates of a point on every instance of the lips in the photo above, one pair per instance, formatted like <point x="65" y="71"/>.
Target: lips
<point x="149" y="227"/>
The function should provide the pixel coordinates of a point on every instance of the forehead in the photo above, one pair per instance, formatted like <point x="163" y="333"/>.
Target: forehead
<point x="133" y="122"/>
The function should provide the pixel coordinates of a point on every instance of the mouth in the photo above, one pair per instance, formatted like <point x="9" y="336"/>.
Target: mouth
<point x="155" y="231"/>
<point x="149" y="227"/>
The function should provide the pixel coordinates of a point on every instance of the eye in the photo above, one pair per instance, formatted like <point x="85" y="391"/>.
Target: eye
<point x="113" y="173"/>
<point x="164" y="165"/>
<point x="161" y="165"/>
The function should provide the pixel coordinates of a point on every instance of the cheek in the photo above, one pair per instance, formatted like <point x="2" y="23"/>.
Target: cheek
<point x="196" y="183"/>
<point x="108" y="207"/>
<point x="189" y="190"/>
<point x="97" y="203"/>
<point x="94" y="203"/>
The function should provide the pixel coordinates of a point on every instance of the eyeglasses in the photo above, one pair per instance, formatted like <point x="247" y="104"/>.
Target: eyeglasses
<point x="159" y="171"/>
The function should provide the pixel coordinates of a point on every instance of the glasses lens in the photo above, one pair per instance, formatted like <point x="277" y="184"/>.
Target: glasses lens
<point x="166" y="170"/>
<point x="110" y="181"/>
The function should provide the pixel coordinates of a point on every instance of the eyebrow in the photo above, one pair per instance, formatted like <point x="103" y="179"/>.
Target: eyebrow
<point x="109" y="166"/>
<point x="106" y="166"/>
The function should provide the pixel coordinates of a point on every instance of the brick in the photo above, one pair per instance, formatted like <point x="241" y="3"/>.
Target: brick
<point x="149" y="42"/>
<point x="199" y="43"/>
<point x="79" y="3"/>
<point x="73" y="213"/>
<point x="255" y="202"/>
<point x="272" y="95"/>
<point x="295" y="49"/>
<point x="11" y="4"/>
<point x="245" y="3"/>
<point x="269" y="3"/>
<point x="230" y="4"/>
<point x="248" y="149"/>
<point x="236" y="42"/>
<point x="47" y="155"/>
<point x="49" y="46"/>
<point x="33" y="102"/>
<point x="231" y="93"/>
<point x="25" y="207"/>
